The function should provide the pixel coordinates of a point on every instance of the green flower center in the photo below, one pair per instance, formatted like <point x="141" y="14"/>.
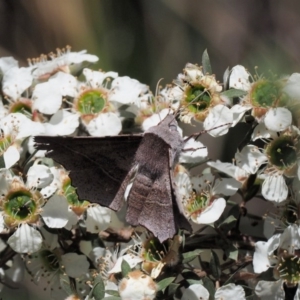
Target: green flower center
<point x="282" y="153"/>
<point x="289" y="269"/>
<point x="197" y="98"/>
<point x="49" y="260"/>
<point x="91" y="102"/>
<point x="20" y="205"/>
<point x="154" y="250"/>
<point x="268" y="94"/>
<point x="197" y="203"/>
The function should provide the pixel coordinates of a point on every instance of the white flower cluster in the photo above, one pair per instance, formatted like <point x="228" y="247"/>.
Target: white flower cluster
<point x="64" y="241"/>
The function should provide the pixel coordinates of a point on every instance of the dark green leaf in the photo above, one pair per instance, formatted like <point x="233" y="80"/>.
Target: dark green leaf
<point x="214" y="265"/>
<point x="189" y="256"/>
<point x="209" y="285"/>
<point x="232" y="93"/>
<point x="164" y="283"/>
<point x="112" y="298"/>
<point x="98" y="290"/>
<point x="125" y="268"/>
<point x="206" y="63"/>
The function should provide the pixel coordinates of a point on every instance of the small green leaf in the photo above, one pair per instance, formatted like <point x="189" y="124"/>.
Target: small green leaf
<point x="98" y="290"/>
<point x="228" y="220"/>
<point x="189" y="256"/>
<point x="206" y="63"/>
<point x="112" y="298"/>
<point x="164" y="283"/>
<point x="112" y="293"/>
<point x="193" y="281"/>
<point x="232" y="93"/>
<point x="125" y="268"/>
<point x="214" y="265"/>
<point x="228" y="223"/>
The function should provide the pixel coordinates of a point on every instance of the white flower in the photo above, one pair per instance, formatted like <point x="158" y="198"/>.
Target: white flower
<point x="26" y="239"/>
<point x="193" y="152"/>
<point x="270" y="290"/>
<point x="226" y="292"/>
<point x="235" y="172"/>
<point x="14" y="129"/>
<point x="292" y="86"/>
<point x="278" y="119"/>
<point x="284" y="264"/>
<point x="64" y="60"/>
<point x="137" y="286"/>
<point x="250" y="159"/>
<point x="262" y="258"/>
<point x="239" y="78"/>
<point x="171" y="96"/>
<point x="279" y="158"/>
<point x="97" y="218"/>
<point x="62" y="123"/>
<point x="55" y="212"/>
<point x="16" y="81"/>
<point x="105" y="124"/>
<point x="204" y="205"/>
<point x="131" y="259"/>
<point x="125" y="90"/>
<point x="219" y="120"/>
<point x="7" y="63"/>
<point x="264" y="98"/>
<point x="96" y="79"/>
<point x="39" y="176"/>
<point x="155" y="119"/>
<point x="47" y="96"/>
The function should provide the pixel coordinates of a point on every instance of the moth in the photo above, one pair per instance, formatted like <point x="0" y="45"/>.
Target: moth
<point x="102" y="167"/>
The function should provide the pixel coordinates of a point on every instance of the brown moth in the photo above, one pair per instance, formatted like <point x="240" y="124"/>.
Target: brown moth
<point x="102" y="167"/>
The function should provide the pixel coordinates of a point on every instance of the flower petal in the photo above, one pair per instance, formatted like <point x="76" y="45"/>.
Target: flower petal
<point x="55" y="212"/>
<point x="274" y="188"/>
<point x="26" y="239"/>
<point x="219" y="120"/>
<point x="98" y="218"/>
<point x="195" y="292"/>
<point x="278" y="119"/>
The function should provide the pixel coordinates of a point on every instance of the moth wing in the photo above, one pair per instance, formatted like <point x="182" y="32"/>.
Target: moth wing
<point x="150" y="201"/>
<point x="97" y="165"/>
<point x="159" y="219"/>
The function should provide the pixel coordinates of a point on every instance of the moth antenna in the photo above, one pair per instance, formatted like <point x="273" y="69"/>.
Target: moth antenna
<point x="197" y="134"/>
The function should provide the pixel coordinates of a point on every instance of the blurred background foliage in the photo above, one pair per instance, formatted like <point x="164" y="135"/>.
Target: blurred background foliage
<point x="149" y="40"/>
